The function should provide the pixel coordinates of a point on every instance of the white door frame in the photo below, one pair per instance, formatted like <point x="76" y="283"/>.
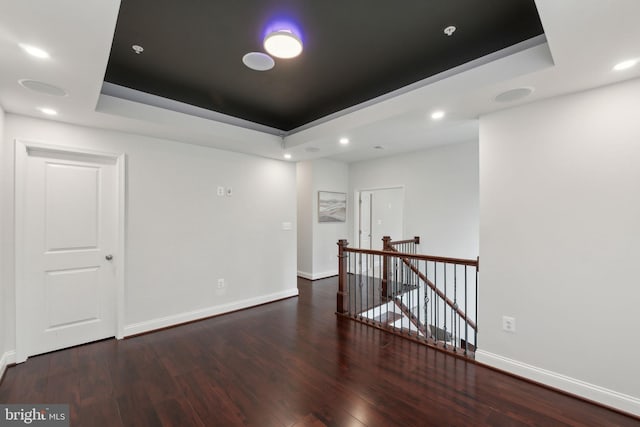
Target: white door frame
<point x="22" y="150"/>
<point x="356" y="213"/>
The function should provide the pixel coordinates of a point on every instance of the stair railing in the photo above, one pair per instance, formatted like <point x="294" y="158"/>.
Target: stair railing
<point x="429" y="299"/>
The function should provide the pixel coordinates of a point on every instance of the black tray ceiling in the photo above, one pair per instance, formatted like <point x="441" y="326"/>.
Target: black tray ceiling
<point x="354" y="50"/>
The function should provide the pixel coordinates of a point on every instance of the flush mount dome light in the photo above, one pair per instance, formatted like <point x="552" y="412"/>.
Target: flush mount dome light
<point x="258" y="61"/>
<point x="283" y="44"/>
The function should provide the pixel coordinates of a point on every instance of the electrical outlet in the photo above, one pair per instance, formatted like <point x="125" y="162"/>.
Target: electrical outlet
<point x="508" y="324"/>
<point x="221" y="284"/>
<point x="229" y="191"/>
<point x="220" y="191"/>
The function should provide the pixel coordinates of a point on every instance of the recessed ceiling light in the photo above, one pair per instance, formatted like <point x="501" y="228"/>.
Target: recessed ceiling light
<point x="34" y="51"/>
<point x="287" y="156"/>
<point x="344" y="141"/>
<point x="42" y="87"/>
<point x="48" y="111"/>
<point x="624" y="65"/>
<point x="514" y="94"/>
<point x="283" y="44"/>
<point x="137" y="49"/>
<point x="258" y="61"/>
<point x="437" y="115"/>
<point x="378" y="147"/>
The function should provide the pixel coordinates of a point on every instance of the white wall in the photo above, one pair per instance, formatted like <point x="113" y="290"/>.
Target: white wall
<point x="333" y="176"/>
<point x="559" y="228"/>
<point x="3" y="256"/>
<point x="441" y="195"/>
<point x="321" y="248"/>
<point x="181" y="237"/>
<point x="304" y="185"/>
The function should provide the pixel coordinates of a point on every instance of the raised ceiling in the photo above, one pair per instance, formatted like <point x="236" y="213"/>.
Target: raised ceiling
<point x="354" y="51"/>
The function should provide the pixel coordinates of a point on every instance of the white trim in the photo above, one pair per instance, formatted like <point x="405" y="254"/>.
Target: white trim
<point x="121" y="170"/>
<point x="176" y="319"/>
<point x="7" y="359"/>
<point x="22" y="149"/>
<point x="580" y="388"/>
<point x="316" y="276"/>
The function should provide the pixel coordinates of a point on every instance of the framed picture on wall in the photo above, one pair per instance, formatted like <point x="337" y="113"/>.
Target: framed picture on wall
<point x="332" y="207"/>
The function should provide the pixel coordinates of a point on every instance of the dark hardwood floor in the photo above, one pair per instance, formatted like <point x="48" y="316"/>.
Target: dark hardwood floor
<point x="290" y="363"/>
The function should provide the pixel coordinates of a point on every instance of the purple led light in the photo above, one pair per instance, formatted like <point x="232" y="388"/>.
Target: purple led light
<point x="283" y="24"/>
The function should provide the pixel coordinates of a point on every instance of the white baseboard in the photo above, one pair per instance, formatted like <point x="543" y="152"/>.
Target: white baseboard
<point x="176" y="319"/>
<point x="316" y="276"/>
<point x="7" y="359"/>
<point x="574" y="386"/>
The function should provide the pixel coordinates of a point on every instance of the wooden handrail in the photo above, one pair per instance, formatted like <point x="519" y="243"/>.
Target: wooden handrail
<point x="415" y="240"/>
<point x="389" y="251"/>
<point x="460" y="261"/>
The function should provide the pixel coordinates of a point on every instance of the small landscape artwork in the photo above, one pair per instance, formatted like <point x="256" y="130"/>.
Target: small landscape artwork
<point x="332" y="207"/>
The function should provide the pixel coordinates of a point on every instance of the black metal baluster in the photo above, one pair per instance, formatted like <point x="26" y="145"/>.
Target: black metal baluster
<point x="445" y="306"/>
<point x="466" y="312"/>
<point x="455" y="305"/>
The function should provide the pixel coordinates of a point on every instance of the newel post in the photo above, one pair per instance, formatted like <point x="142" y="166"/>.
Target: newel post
<point x="416" y="240"/>
<point x="342" y="296"/>
<point x="386" y="246"/>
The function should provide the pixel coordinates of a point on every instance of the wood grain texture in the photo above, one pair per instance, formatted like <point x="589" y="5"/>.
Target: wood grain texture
<point x="290" y="363"/>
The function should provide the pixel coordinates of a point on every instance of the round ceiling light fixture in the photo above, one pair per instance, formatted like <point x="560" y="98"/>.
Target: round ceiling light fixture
<point x="258" y="61"/>
<point x="287" y="156"/>
<point x="344" y="141"/>
<point x="283" y="44"/>
<point x="42" y="87"/>
<point x="450" y="30"/>
<point x="514" y="94"/>
<point x="137" y="49"/>
<point x="625" y="65"/>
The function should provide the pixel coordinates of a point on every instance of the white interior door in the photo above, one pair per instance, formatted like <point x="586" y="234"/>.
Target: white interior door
<point x="364" y="219"/>
<point x="387" y="215"/>
<point x="70" y="236"/>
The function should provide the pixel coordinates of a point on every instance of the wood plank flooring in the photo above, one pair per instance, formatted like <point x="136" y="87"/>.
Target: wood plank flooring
<point x="290" y="363"/>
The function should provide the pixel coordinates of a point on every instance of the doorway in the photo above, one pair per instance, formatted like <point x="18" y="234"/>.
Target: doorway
<point x="380" y="213"/>
<point x="69" y="247"/>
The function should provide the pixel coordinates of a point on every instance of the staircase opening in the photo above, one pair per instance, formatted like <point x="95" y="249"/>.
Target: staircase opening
<point x="429" y="299"/>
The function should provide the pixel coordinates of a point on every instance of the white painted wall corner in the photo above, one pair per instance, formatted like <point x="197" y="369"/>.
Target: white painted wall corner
<point x="317" y="276"/>
<point x="7" y="359"/>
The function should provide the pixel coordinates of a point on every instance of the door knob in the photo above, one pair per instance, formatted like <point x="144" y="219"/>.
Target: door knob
<point x="108" y="257"/>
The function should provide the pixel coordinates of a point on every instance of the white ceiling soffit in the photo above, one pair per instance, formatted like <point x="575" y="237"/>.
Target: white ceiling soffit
<point x="76" y="33"/>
